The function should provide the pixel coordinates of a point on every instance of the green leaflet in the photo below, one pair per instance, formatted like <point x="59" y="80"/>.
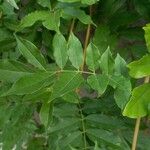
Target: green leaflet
<point x="104" y="121"/>
<point x="104" y="135"/>
<point x="107" y="62"/>
<point x="30" y="83"/>
<point x="13" y="3"/>
<point x="69" y="1"/>
<point x="120" y="66"/>
<point x="122" y="88"/>
<point x="89" y="2"/>
<point x="40" y="95"/>
<point x="31" y="53"/>
<point x="140" y="68"/>
<point x="71" y="12"/>
<point x="147" y="35"/>
<point x="92" y="57"/>
<point x="71" y="97"/>
<point x="139" y="102"/>
<point x="103" y="38"/>
<point x="67" y="82"/>
<point x="60" y="50"/>
<point x="50" y="20"/>
<point x="98" y="82"/>
<point x="12" y="70"/>
<point x="70" y="138"/>
<point x="18" y="127"/>
<point x="75" y="51"/>
<point x="45" y="3"/>
<point x="46" y="113"/>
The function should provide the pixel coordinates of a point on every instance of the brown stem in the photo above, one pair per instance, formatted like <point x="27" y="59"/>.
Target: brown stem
<point x="86" y="41"/>
<point x="137" y="125"/>
<point x="71" y="26"/>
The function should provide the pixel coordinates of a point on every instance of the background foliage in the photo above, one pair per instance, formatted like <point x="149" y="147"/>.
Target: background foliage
<point x="59" y="91"/>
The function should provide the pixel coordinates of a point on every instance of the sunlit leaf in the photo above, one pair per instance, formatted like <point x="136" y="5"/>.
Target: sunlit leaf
<point x="139" y="102"/>
<point x="140" y="68"/>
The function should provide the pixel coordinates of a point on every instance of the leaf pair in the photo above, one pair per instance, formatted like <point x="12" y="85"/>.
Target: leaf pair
<point x="62" y="50"/>
<point x="138" y="106"/>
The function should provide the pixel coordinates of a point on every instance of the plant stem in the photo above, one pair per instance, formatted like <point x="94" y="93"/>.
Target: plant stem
<point x="71" y="26"/>
<point x="86" y="40"/>
<point x="136" y="131"/>
<point x="137" y="125"/>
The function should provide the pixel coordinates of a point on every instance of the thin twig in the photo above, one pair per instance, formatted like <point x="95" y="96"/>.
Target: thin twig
<point x="137" y="125"/>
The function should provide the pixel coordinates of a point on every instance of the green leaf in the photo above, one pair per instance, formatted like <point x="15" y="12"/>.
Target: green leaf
<point x="17" y="128"/>
<point x="71" y="12"/>
<point x="71" y="97"/>
<point x="122" y="88"/>
<point x="75" y="51"/>
<point x="140" y="68"/>
<point x="120" y="66"/>
<point x="89" y="2"/>
<point x="45" y="114"/>
<point x="70" y="138"/>
<point x="107" y="62"/>
<point x="147" y="35"/>
<point x="40" y="95"/>
<point x="30" y="83"/>
<point x="51" y="20"/>
<point x="60" y="50"/>
<point x="103" y="38"/>
<point x="69" y="1"/>
<point x="12" y="70"/>
<point x="31" y="53"/>
<point x="108" y="137"/>
<point x="92" y="57"/>
<point x="45" y="3"/>
<point x="139" y="102"/>
<point x="98" y="82"/>
<point x="13" y="3"/>
<point x="66" y="83"/>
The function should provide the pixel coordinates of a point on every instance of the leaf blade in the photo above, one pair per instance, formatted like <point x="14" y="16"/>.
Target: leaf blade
<point x="60" y="50"/>
<point x="75" y="51"/>
<point x="31" y="53"/>
<point x="139" y="101"/>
